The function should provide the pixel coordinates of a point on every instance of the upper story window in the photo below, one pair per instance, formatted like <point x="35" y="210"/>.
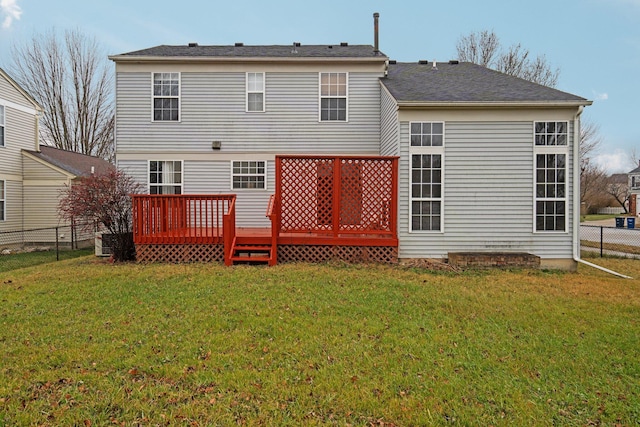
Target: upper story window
<point x="551" y="133"/>
<point x="165" y="177"/>
<point x="635" y="182"/>
<point x="427" y="162"/>
<point x="551" y="155"/>
<point x="1" y="125"/>
<point x="333" y="96"/>
<point x="249" y="174"/>
<point x="2" y="201"/>
<point x="166" y="97"/>
<point x="255" y="92"/>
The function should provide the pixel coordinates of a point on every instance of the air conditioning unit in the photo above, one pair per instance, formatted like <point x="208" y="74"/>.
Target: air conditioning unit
<point x="104" y="243"/>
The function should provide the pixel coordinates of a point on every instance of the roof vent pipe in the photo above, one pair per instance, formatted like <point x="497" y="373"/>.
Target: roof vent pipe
<point x="376" y="46"/>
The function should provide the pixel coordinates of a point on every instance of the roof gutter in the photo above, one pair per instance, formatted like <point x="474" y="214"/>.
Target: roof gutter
<point x="498" y="104"/>
<point x="576" y="200"/>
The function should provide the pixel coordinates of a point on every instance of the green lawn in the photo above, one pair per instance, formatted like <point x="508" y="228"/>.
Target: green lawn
<point x="84" y="342"/>
<point x="598" y="217"/>
<point x="17" y="261"/>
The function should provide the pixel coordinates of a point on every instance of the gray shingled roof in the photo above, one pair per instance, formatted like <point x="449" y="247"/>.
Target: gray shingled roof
<point x="466" y="82"/>
<point x="273" y="51"/>
<point x="74" y="163"/>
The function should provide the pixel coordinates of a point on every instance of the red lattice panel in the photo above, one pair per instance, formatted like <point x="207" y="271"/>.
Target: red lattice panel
<point x="179" y="253"/>
<point x="313" y="190"/>
<point x="351" y="254"/>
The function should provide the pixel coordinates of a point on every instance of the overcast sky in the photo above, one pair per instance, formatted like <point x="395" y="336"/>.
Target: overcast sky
<point x="594" y="43"/>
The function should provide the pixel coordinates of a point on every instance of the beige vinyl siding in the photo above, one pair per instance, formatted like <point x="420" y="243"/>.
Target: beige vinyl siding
<point x="35" y="171"/>
<point x="42" y="186"/>
<point x="19" y="134"/>
<point x="389" y="144"/>
<point x="10" y="93"/>
<point x="13" y="209"/>
<point x="488" y="194"/>
<point x="41" y="206"/>
<point x="213" y="109"/>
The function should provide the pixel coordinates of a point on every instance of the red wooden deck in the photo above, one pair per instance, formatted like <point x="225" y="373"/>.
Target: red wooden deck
<point x="320" y="201"/>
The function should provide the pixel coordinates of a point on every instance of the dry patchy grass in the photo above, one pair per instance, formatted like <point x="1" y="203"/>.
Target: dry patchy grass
<point x="88" y="343"/>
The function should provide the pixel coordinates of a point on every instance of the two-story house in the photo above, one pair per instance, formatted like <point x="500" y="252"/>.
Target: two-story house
<point x="485" y="162"/>
<point x="32" y="175"/>
<point x="19" y="114"/>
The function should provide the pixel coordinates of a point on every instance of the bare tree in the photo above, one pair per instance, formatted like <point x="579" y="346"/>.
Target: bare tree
<point x="590" y="140"/>
<point x="619" y="190"/>
<point x="479" y="48"/>
<point x="69" y="76"/>
<point x="593" y="187"/>
<point x="484" y="48"/>
<point x="106" y="200"/>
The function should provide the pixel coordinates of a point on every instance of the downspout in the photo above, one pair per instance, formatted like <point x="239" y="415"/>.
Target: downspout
<point x="576" y="199"/>
<point x="37" y="136"/>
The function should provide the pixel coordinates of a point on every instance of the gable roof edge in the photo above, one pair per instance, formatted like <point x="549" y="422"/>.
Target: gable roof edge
<point x="23" y="92"/>
<point x="49" y="164"/>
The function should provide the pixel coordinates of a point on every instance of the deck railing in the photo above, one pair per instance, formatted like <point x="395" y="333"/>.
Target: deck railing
<point x="337" y="196"/>
<point x="181" y="218"/>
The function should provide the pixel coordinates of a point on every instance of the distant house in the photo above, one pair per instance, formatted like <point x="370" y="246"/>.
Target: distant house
<point x="32" y="175"/>
<point x="633" y="181"/>
<point x="484" y="162"/>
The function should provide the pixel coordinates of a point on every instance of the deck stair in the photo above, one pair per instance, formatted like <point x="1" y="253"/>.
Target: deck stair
<point x="252" y="250"/>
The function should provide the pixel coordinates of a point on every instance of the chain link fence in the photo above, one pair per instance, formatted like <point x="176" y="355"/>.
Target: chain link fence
<point x="610" y="241"/>
<point x="21" y="248"/>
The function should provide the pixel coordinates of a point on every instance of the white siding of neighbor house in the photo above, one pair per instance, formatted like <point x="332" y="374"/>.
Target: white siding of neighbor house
<point x="213" y="109"/>
<point x="42" y="186"/>
<point x="388" y="124"/>
<point x="488" y="193"/>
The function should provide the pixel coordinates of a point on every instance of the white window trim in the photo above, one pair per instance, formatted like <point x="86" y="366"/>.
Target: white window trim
<point x="263" y="92"/>
<point x="181" y="185"/>
<point x="320" y="97"/>
<point x="4" y="200"/>
<point x="231" y="175"/>
<point x="3" y="125"/>
<point x="551" y="149"/>
<point x="153" y="97"/>
<point x="428" y="150"/>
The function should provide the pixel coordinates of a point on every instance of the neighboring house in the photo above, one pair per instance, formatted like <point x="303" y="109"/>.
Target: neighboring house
<point x="487" y="162"/>
<point x="633" y="181"/>
<point x="19" y="114"/>
<point x="32" y="175"/>
<point x="48" y="171"/>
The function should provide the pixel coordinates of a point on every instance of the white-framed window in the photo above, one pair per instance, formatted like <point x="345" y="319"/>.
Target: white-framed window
<point x="551" y="154"/>
<point x="333" y="97"/>
<point x="3" y="199"/>
<point x="255" y="92"/>
<point x="248" y="174"/>
<point x="165" y="177"/>
<point x="2" y="125"/>
<point x="166" y="97"/>
<point x="426" y="157"/>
